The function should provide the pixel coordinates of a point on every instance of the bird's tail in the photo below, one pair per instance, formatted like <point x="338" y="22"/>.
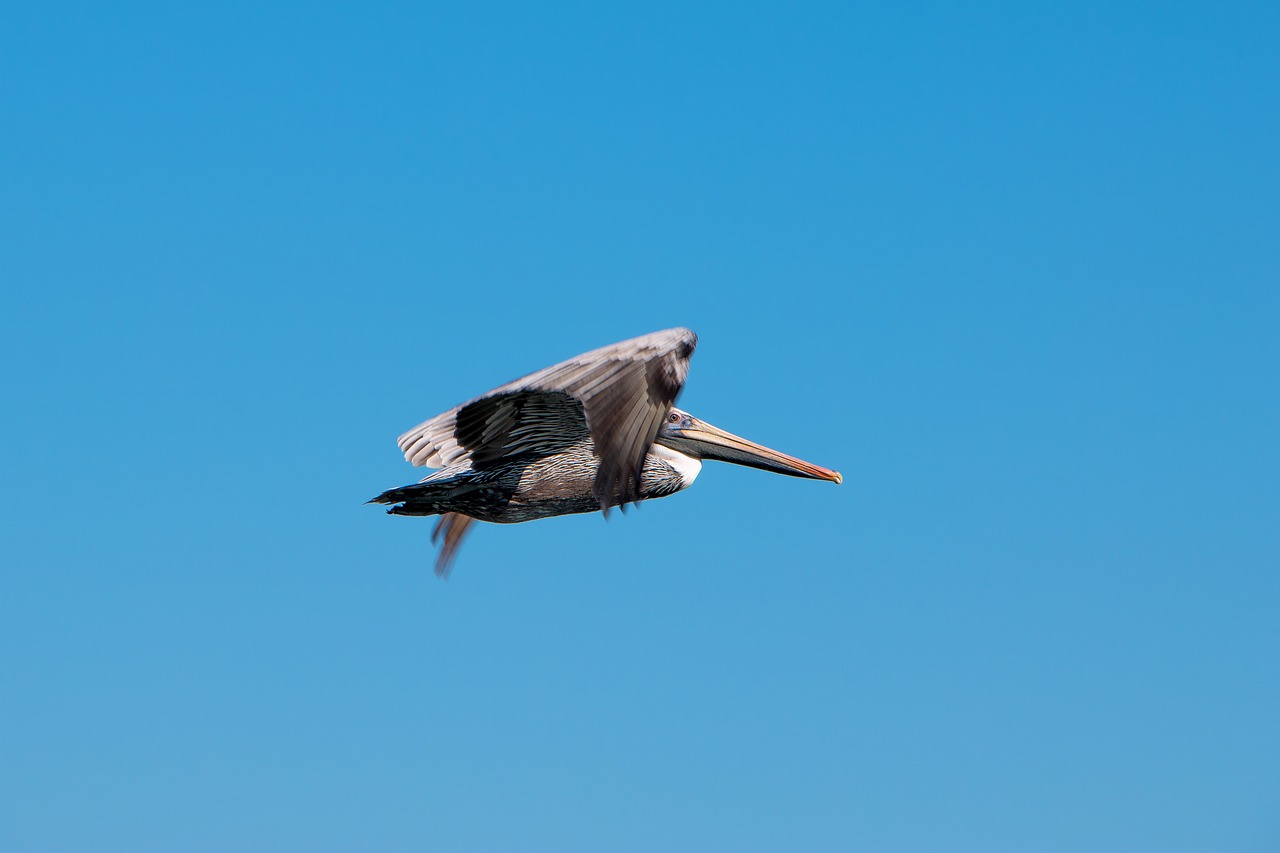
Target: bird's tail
<point x="434" y="496"/>
<point x="430" y="497"/>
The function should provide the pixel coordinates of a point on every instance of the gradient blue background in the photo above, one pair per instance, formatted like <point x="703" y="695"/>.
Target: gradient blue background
<point x="1014" y="271"/>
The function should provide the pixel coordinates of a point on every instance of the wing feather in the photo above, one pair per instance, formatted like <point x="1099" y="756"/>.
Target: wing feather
<point x="452" y="527"/>
<point x="619" y="393"/>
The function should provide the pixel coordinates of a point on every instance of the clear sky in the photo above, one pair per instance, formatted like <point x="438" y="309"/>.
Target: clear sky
<point x="1014" y="271"/>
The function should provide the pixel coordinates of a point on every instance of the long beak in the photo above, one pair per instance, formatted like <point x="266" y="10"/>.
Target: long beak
<point x="702" y="440"/>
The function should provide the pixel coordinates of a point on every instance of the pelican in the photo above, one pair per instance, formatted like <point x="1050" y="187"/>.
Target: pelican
<point x="591" y="433"/>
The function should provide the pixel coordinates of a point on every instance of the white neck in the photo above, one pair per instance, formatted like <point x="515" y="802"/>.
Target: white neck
<point x="686" y="466"/>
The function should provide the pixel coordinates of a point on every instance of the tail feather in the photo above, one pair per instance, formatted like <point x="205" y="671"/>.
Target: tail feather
<point x="425" y="498"/>
<point x="436" y="496"/>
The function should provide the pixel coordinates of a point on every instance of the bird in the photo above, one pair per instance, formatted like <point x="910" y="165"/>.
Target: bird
<point x="594" y="432"/>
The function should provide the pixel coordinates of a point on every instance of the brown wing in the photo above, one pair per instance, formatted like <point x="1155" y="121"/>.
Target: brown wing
<point x="619" y="393"/>
<point x="452" y="526"/>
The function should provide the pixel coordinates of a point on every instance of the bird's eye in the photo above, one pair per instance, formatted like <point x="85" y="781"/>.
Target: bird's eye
<point x="674" y="418"/>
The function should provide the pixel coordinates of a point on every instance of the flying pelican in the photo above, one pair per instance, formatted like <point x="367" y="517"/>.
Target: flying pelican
<point x="593" y="432"/>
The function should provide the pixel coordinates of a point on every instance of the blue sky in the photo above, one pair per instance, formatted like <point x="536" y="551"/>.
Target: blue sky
<point x="1011" y="268"/>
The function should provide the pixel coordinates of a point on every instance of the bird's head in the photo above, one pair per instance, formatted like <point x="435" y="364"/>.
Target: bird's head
<point x="683" y="432"/>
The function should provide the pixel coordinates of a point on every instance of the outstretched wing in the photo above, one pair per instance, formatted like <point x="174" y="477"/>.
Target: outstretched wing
<point x="619" y="394"/>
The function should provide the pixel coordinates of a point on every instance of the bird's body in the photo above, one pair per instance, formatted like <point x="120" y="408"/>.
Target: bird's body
<point x="593" y="432"/>
<point x="538" y="487"/>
